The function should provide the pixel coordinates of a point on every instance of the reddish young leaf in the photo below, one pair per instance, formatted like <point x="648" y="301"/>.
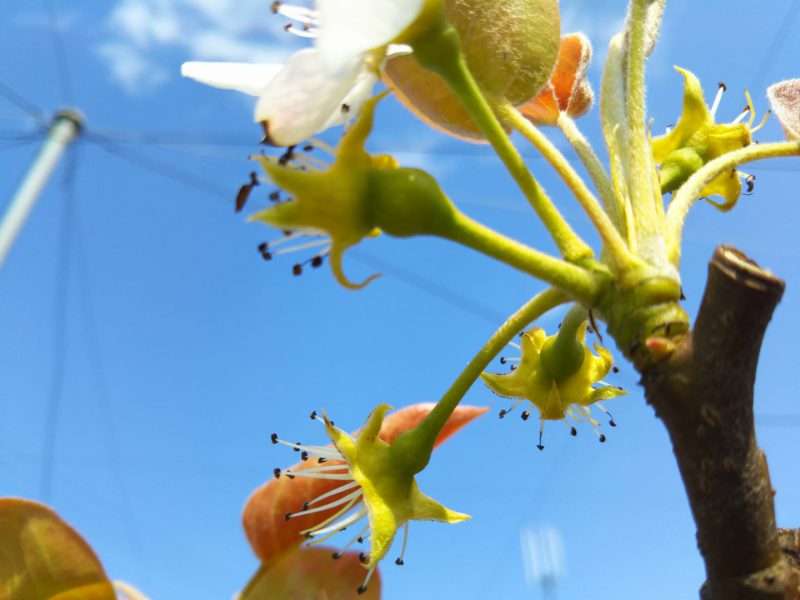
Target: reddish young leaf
<point x="43" y="557"/>
<point x="265" y="525"/>
<point x="312" y="574"/>
<point x="568" y="90"/>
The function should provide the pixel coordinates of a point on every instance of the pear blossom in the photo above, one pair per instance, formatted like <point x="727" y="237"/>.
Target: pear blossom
<point x="320" y="87"/>
<point x="375" y="481"/>
<point x="557" y="387"/>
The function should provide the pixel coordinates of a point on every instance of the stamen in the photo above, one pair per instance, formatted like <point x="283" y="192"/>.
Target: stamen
<point x="305" y="32"/>
<point x="341" y="524"/>
<point x="325" y="451"/>
<point x="572" y="431"/>
<point x="323" y="469"/>
<point x="357" y="538"/>
<point x="306" y="246"/>
<point x="399" y="562"/>
<point x="333" y="504"/>
<point x="751" y="107"/>
<point x="363" y="587"/>
<point x="339" y="490"/>
<point x="342" y="477"/>
<point x="296" y="13"/>
<point x="749" y="181"/>
<point x="322" y="146"/>
<point x="763" y="121"/>
<point x="515" y="345"/>
<point x="541" y="431"/>
<point x="720" y="91"/>
<point x="503" y="413"/>
<point x="312" y="162"/>
<point x="741" y="116"/>
<point x="611" y="420"/>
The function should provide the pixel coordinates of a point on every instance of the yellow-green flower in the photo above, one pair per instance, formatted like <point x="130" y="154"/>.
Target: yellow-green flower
<point x="559" y="380"/>
<point x="377" y="482"/>
<point x="334" y="203"/>
<point x="698" y="139"/>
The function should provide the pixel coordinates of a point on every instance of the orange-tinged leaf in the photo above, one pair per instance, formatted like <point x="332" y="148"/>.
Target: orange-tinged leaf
<point x="265" y="525"/>
<point x="312" y="574"/>
<point x="44" y="558"/>
<point x="568" y="90"/>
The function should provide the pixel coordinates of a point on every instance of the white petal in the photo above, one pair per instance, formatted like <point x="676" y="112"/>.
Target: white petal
<point x="243" y="77"/>
<point x="304" y="97"/>
<point x="360" y="93"/>
<point x="351" y="27"/>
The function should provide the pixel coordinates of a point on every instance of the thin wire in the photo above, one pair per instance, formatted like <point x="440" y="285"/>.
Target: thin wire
<point x="16" y="144"/>
<point x="179" y="175"/>
<point x="22" y="103"/>
<point x="104" y="400"/>
<point x="62" y="65"/>
<point x="53" y="407"/>
<point x="777" y="41"/>
<point x="473" y="307"/>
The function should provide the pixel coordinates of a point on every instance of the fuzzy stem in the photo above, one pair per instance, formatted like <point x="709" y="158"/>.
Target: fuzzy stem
<point x="592" y="163"/>
<point x="441" y="53"/>
<point x="690" y="192"/>
<point x="704" y="395"/>
<point x="617" y="249"/>
<point x="575" y="281"/>
<point x="423" y="437"/>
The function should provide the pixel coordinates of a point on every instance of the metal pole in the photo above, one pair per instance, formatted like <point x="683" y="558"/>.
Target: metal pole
<point x="64" y="129"/>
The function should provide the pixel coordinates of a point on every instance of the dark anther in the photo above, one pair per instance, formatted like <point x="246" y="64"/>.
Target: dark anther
<point x="602" y="438"/>
<point x="287" y="516"/>
<point x="274" y="438"/>
<point x="297" y="270"/>
<point x="345" y="108"/>
<point x="296" y="446"/>
<point x="263" y="247"/>
<point x="723" y="86"/>
<point x="289" y="475"/>
<point x="316" y="261"/>
<point x="615" y="369"/>
<point x="313" y="415"/>
<point x="308" y="536"/>
<point x="399" y="562"/>
<point x="336" y="556"/>
<point x="277" y="473"/>
<point x="502" y="360"/>
<point x="589" y="329"/>
<point x="361" y="589"/>
<point x="525" y="414"/>
<point x="502" y="413"/>
<point x="304" y="455"/>
<point x="275" y="196"/>
<point x="244" y="192"/>
<point x="266" y="255"/>
<point x="287" y="27"/>
<point x="362" y="557"/>
<point x="683" y="296"/>
<point x="286" y="156"/>
<point x="360" y="540"/>
<point x="275" y="6"/>
<point x="573" y="432"/>
<point x="513" y="367"/>
<point x="613" y="423"/>
<point x="308" y="147"/>
<point x="750" y="183"/>
<point x="594" y="326"/>
<point x="321" y="460"/>
<point x="305" y="505"/>
<point x="540" y="447"/>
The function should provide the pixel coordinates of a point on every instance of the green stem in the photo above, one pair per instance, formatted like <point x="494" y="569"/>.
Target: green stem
<point x="591" y="162"/>
<point x="640" y="169"/>
<point x="423" y="437"/>
<point x="621" y="258"/>
<point x="440" y="52"/>
<point x="573" y="280"/>
<point x="691" y="191"/>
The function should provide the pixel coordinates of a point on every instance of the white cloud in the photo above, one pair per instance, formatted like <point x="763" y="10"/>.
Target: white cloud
<point x="144" y="35"/>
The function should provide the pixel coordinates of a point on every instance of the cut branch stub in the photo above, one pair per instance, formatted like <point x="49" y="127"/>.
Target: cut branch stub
<point x="704" y="395"/>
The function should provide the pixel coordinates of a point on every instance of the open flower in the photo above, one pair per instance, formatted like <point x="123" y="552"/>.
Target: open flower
<point x="319" y="87"/>
<point x="559" y="381"/>
<point x="332" y="204"/>
<point x="698" y="139"/>
<point x="361" y="475"/>
<point x="568" y="90"/>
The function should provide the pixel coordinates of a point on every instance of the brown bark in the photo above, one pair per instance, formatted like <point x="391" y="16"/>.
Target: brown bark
<point x="704" y="396"/>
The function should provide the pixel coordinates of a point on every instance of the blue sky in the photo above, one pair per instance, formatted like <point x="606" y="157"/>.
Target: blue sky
<point x="182" y="350"/>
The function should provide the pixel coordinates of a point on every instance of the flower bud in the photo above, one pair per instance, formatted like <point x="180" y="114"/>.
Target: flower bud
<point x="510" y="47"/>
